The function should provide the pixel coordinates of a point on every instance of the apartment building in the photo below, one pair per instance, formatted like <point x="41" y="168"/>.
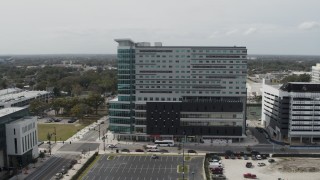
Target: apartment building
<point x="315" y="74"/>
<point x="291" y="112"/>
<point x="166" y="92"/>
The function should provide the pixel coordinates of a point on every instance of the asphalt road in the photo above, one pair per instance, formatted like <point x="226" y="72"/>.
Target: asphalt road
<point x="93" y="134"/>
<point x="79" y="146"/>
<point x="52" y="166"/>
<point x="143" y="168"/>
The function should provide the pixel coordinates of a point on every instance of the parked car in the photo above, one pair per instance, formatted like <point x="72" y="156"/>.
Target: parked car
<point x="271" y="160"/>
<point x="112" y="146"/>
<point x="58" y="176"/>
<point x="253" y="157"/>
<point x="258" y="157"/>
<point x="250" y="176"/>
<point x="217" y="170"/>
<point x="218" y="177"/>
<point x="226" y="157"/>
<point x="245" y="157"/>
<point x="154" y="156"/>
<point x="139" y="150"/>
<point x="57" y="120"/>
<point x="249" y="164"/>
<point x="233" y="156"/>
<point x="264" y="156"/>
<point x="64" y="170"/>
<point x="261" y="164"/>
<point x="72" y="120"/>
<point x="153" y="150"/>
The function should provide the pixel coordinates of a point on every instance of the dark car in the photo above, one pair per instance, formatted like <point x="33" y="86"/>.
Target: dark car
<point x="154" y="156"/>
<point x="139" y="150"/>
<point x="217" y="170"/>
<point x="263" y="156"/>
<point x="72" y="120"/>
<point x="271" y="161"/>
<point x="233" y="156"/>
<point x="218" y="177"/>
<point x="245" y="157"/>
<point x="249" y="164"/>
<point x="57" y="120"/>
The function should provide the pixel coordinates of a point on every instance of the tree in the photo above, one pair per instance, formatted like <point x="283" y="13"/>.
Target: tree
<point x="80" y="110"/>
<point x="95" y="101"/>
<point x="37" y="107"/>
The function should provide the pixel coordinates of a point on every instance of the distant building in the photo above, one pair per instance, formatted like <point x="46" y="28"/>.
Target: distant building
<point x="315" y="74"/>
<point x="292" y="111"/>
<point x="19" y="98"/>
<point x="167" y="92"/>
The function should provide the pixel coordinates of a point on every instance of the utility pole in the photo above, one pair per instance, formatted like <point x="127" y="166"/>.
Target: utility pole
<point x="99" y="131"/>
<point x="184" y="133"/>
<point x="104" y="141"/>
<point x="55" y="135"/>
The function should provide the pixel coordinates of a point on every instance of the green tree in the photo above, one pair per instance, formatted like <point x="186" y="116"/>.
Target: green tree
<point x="79" y="110"/>
<point x="95" y="101"/>
<point x="37" y="107"/>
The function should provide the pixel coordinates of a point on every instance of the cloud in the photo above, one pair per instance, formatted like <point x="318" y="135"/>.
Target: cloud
<point x="308" y="25"/>
<point x="250" y="31"/>
<point x="213" y="35"/>
<point x="231" y="32"/>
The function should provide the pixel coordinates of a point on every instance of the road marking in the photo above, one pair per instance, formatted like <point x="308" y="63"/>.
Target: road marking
<point x="135" y="169"/>
<point x="134" y="158"/>
<point x="141" y="169"/>
<point x="153" y="168"/>
<point x="139" y="158"/>
<point x="167" y="159"/>
<point x="159" y="168"/>
<point x="145" y="158"/>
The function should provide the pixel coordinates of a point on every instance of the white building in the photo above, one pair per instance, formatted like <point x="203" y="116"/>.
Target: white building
<point x="22" y="139"/>
<point x="292" y="111"/>
<point x="315" y="74"/>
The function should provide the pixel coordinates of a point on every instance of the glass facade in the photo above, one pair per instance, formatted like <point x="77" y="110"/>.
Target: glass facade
<point x="121" y="113"/>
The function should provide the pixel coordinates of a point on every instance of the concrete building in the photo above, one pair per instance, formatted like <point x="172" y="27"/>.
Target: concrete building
<point x="22" y="141"/>
<point x="291" y="112"/>
<point x="168" y="91"/>
<point x="8" y="116"/>
<point x="315" y="74"/>
<point x="19" y="98"/>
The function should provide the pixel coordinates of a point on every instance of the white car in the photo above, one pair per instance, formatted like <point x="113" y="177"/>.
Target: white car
<point x="153" y="150"/>
<point x="112" y="146"/>
<point x="258" y="157"/>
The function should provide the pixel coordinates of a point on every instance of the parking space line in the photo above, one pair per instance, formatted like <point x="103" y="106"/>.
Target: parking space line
<point x="172" y="158"/>
<point x="171" y="168"/>
<point x="154" y="165"/>
<point x="167" y="159"/>
<point x="159" y="168"/>
<point x="145" y="158"/>
<point x="139" y="158"/>
<point x="141" y="169"/>
<point x="135" y="169"/>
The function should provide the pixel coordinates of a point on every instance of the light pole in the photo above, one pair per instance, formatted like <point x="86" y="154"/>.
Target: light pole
<point x="184" y="133"/>
<point x="192" y="175"/>
<point x="104" y="141"/>
<point x="55" y="135"/>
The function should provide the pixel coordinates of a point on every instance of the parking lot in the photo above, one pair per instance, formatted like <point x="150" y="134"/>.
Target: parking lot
<point x="143" y="167"/>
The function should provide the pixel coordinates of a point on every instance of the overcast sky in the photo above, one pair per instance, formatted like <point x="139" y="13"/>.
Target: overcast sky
<point x="90" y="26"/>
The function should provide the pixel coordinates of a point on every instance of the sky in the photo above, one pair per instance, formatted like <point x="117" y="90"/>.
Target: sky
<point x="284" y="27"/>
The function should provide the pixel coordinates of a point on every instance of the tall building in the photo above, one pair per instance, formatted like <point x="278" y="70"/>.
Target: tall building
<point x="315" y="74"/>
<point x="291" y="112"/>
<point x="166" y="92"/>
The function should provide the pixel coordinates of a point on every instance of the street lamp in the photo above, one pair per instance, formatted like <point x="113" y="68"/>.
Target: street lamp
<point x="55" y="135"/>
<point x="192" y="175"/>
<point x="184" y="133"/>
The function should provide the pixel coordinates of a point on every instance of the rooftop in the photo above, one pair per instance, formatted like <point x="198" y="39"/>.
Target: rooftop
<point x="301" y="87"/>
<point x="13" y="97"/>
<point x="7" y="111"/>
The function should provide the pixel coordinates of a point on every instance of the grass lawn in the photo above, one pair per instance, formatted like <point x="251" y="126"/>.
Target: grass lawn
<point x="64" y="131"/>
<point x="186" y="169"/>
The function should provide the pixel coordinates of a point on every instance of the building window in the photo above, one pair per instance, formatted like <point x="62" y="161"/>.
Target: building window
<point x="14" y="131"/>
<point x="15" y="146"/>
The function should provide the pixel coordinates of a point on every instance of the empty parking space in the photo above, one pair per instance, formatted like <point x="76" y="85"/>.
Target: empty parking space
<point x="143" y="167"/>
